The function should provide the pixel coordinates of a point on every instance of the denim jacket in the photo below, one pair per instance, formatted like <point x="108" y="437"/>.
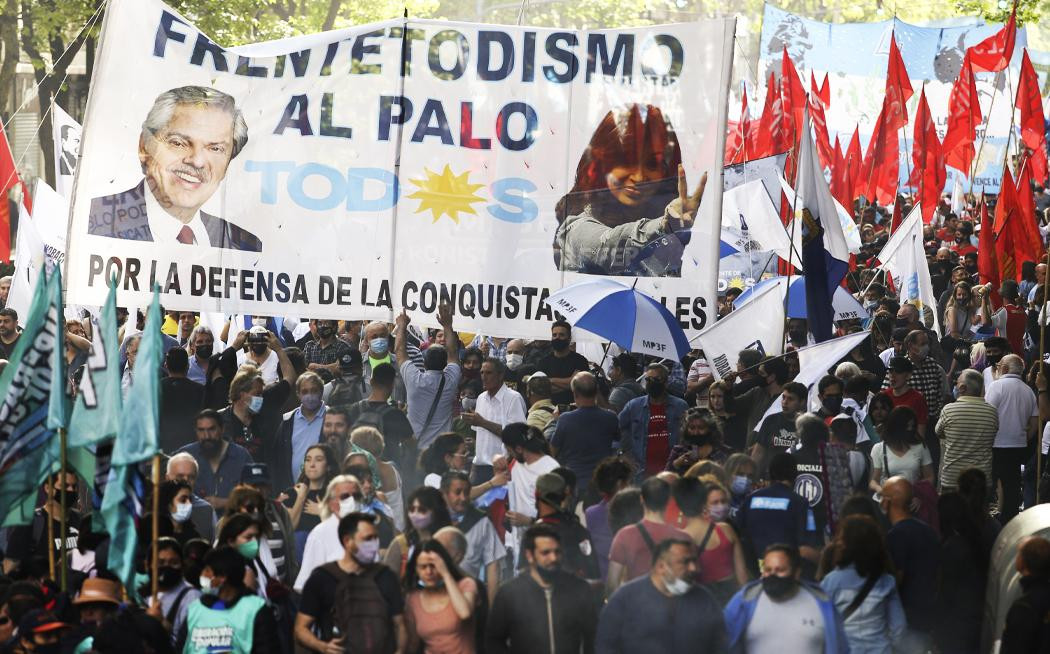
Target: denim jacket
<point x="878" y="624"/>
<point x="634" y="426"/>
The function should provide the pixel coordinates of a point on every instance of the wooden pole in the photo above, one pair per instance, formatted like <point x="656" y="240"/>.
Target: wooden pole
<point x="1042" y="368"/>
<point x="156" y="527"/>
<point x="63" y="527"/>
<point x="50" y="535"/>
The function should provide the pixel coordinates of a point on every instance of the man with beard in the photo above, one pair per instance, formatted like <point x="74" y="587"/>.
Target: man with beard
<point x="664" y="611"/>
<point x="544" y="609"/>
<point x="649" y="425"/>
<point x="188" y="140"/>
<point x="219" y="462"/>
<point x="9" y="333"/>
<point x="484" y="549"/>
<point x="780" y="613"/>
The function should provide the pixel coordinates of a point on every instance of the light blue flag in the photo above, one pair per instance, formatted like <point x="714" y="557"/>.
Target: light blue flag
<point x="28" y="444"/>
<point x="136" y="442"/>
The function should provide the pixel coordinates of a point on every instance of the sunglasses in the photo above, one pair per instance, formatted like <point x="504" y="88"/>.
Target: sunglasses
<point x="250" y="508"/>
<point x="345" y="496"/>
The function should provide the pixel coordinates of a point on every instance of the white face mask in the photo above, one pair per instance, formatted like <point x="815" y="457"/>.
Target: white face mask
<point x="182" y="512"/>
<point x="677" y="586"/>
<point x="206" y="586"/>
<point x="514" y="361"/>
<point x="347" y="506"/>
<point x="255" y="403"/>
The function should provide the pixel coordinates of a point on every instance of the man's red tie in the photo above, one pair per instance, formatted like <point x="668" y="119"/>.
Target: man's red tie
<point x="186" y="235"/>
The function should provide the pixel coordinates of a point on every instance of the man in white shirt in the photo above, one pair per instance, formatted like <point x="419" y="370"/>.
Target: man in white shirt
<point x="528" y="447"/>
<point x="1018" y="421"/>
<point x="497" y="407"/>
<point x="343" y="496"/>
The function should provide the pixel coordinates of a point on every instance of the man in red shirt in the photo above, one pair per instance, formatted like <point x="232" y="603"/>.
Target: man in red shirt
<point x="902" y="394"/>
<point x="1016" y="318"/>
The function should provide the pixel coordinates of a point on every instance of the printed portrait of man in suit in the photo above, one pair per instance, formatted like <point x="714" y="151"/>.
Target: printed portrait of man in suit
<point x="70" y="136"/>
<point x="187" y="142"/>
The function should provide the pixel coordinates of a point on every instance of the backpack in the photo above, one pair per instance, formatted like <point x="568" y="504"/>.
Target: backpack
<point x="370" y="415"/>
<point x="346" y="391"/>
<point x="360" y="611"/>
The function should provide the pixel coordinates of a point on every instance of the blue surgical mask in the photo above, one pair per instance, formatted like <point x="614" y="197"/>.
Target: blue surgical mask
<point x="255" y="403"/>
<point x="741" y="485"/>
<point x="182" y="512"/>
<point x="379" y="346"/>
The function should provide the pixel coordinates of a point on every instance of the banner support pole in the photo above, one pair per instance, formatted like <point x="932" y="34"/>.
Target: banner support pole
<point x="63" y="527"/>
<point x="155" y="530"/>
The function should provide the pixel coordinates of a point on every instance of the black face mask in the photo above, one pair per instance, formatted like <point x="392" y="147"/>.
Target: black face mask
<point x="560" y="344"/>
<point x="901" y="322"/>
<point x="259" y="348"/>
<point x="325" y="332"/>
<point x="210" y="447"/>
<point x="778" y="588"/>
<point x="205" y="351"/>
<point x="960" y="239"/>
<point x="993" y="359"/>
<point x="797" y="335"/>
<point x="970" y="268"/>
<point x="832" y="404"/>
<point x="655" y="387"/>
<point x="168" y="577"/>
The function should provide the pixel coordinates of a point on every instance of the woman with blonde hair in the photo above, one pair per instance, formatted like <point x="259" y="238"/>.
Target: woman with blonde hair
<point x="964" y="311"/>
<point x="371" y="441"/>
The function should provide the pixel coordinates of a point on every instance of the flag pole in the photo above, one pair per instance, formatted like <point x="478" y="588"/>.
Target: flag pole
<point x="987" y="122"/>
<point x="155" y="529"/>
<point x="1042" y="369"/>
<point x="51" y="536"/>
<point x="64" y="503"/>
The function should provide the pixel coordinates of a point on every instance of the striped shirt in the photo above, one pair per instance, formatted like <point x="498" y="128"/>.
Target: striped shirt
<point x="968" y="428"/>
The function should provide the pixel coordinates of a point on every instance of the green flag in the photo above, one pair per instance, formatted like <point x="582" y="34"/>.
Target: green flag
<point x="96" y="413"/>
<point x="28" y="442"/>
<point x="136" y="442"/>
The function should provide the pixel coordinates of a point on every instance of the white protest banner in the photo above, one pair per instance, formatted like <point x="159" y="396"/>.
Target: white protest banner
<point x="904" y="257"/>
<point x="758" y="324"/>
<point x="41" y="240"/>
<point x="65" y="133"/>
<point x="319" y="177"/>
<point x="747" y="209"/>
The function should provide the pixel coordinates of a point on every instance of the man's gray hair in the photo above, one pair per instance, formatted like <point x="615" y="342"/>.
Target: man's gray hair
<point x="200" y="96"/>
<point x="329" y="492"/>
<point x="1014" y="364"/>
<point x="179" y="458"/>
<point x="973" y="381"/>
<point x="456" y="539"/>
<point x="200" y="329"/>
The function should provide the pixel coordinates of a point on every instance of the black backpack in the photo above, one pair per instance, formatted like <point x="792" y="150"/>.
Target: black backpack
<point x="346" y="391"/>
<point x="370" y="414"/>
<point x="360" y="611"/>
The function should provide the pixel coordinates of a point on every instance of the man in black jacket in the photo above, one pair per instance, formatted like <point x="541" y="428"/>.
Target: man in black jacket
<point x="1027" y="628"/>
<point x="544" y="609"/>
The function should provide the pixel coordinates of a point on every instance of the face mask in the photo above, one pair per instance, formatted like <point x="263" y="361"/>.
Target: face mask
<point x="379" y="346"/>
<point x="741" y="485"/>
<point x="514" y="361"/>
<point x="182" y="511"/>
<point x="778" y="588"/>
<point x="367" y="552"/>
<point x="718" y="513"/>
<point x="993" y="359"/>
<point x="250" y="549"/>
<point x="210" y="447"/>
<point x="870" y="306"/>
<point x="559" y="344"/>
<point x="547" y="574"/>
<point x="255" y="403"/>
<point x="955" y="393"/>
<point x="924" y="351"/>
<point x="901" y="322"/>
<point x="206" y="586"/>
<point x="677" y="587"/>
<point x="259" y="348"/>
<point x="456" y="516"/>
<point x="797" y="335"/>
<point x="655" y="387"/>
<point x="311" y="401"/>
<point x="832" y="404"/>
<point x="347" y="506"/>
<point x="168" y="577"/>
<point x="440" y="583"/>
<point x="960" y="239"/>
<point x="205" y="351"/>
<point x="420" y="520"/>
<point x="325" y="332"/>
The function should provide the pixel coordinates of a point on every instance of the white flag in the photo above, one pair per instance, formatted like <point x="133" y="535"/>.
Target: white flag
<point x="66" y="136"/>
<point x="747" y="210"/>
<point x="850" y="230"/>
<point x="814" y="361"/>
<point x="904" y="257"/>
<point x="40" y="240"/>
<point x="958" y="205"/>
<point x="758" y="324"/>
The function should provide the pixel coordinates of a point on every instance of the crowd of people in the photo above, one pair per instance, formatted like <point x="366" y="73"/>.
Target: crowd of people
<point x="334" y="486"/>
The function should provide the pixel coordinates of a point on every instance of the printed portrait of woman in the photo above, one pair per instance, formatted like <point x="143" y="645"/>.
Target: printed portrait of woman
<point x="629" y="211"/>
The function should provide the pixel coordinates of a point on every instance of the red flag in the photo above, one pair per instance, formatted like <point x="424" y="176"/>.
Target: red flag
<point x="994" y="53"/>
<point x="987" y="261"/>
<point x="964" y="114"/>
<point x="1014" y="241"/>
<point x="928" y="173"/>
<point x="768" y="122"/>
<point x="820" y="127"/>
<point x="854" y="162"/>
<point x="895" y="218"/>
<point x="8" y="180"/>
<point x="822" y="92"/>
<point x="1033" y="127"/>
<point x="793" y="94"/>
<point x="898" y="87"/>
<point x="1026" y="214"/>
<point x="881" y="168"/>
<point x="841" y="184"/>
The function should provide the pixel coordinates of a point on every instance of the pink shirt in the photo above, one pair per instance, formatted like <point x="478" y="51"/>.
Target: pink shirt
<point x="442" y="632"/>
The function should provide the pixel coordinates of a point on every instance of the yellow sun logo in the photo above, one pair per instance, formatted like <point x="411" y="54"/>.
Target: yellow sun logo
<point x="446" y="194"/>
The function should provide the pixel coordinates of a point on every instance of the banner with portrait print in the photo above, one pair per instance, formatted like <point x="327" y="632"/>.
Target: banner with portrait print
<point x="401" y="164"/>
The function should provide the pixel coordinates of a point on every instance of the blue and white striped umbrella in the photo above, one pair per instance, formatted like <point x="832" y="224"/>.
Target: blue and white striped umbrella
<point x="623" y="315"/>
